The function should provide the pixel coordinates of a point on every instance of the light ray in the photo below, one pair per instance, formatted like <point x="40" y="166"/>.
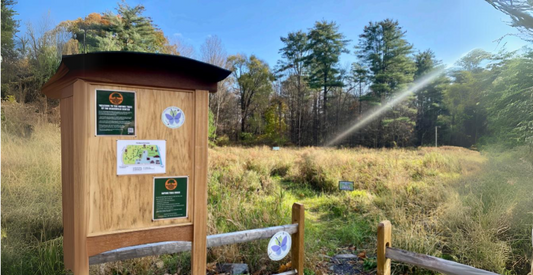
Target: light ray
<point x="372" y="114"/>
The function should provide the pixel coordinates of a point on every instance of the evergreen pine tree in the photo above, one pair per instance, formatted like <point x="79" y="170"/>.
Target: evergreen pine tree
<point x="326" y="44"/>
<point x="385" y="51"/>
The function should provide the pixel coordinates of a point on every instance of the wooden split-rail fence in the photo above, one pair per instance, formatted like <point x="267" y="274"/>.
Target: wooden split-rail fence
<point x="296" y="229"/>
<point x="386" y="253"/>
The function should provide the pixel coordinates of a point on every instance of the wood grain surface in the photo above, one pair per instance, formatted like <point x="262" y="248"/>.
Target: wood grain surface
<point x="384" y="241"/>
<point x="434" y="263"/>
<point x="161" y="248"/>
<point x="124" y="203"/>
<point x="297" y="256"/>
<point x="201" y="123"/>
<point x="80" y="176"/>
<point x="67" y="179"/>
<point x="99" y="244"/>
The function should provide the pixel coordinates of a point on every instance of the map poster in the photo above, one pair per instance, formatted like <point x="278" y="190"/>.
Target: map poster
<point x="141" y="157"/>
<point x="115" y="113"/>
<point x="170" y="198"/>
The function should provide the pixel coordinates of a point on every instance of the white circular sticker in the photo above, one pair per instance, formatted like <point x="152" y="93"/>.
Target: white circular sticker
<point x="173" y="117"/>
<point x="279" y="246"/>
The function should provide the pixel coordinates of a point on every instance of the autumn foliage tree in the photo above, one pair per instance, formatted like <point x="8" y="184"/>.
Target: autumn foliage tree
<point x="127" y="30"/>
<point x="310" y="96"/>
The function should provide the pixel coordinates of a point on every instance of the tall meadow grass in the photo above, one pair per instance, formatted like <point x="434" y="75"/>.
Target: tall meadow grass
<point x="31" y="193"/>
<point x="448" y="202"/>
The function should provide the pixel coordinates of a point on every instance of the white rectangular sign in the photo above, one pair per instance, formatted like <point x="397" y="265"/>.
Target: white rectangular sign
<point x="141" y="157"/>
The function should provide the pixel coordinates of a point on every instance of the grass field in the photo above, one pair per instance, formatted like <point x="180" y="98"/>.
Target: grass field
<point x="450" y="202"/>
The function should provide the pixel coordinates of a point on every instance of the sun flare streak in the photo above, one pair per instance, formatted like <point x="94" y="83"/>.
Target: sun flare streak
<point x="372" y="114"/>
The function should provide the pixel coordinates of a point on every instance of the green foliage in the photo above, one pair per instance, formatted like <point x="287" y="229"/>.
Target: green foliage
<point x="247" y="136"/>
<point x="275" y="123"/>
<point x="211" y="131"/>
<point x="325" y="44"/>
<point x="9" y="29"/>
<point x="295" y="89"/>
<point x="128" y="30"/>
<point x="490" y="100"/>
<point x="294" y="52"/>
<point x="88" y="32"/>
<point x="429" y="100"/>
<point x="472" y="61"/>
<point x="463" y="100"/>
<point x="38" y="57"/>
<point x="509" y="101"/>
<point x="370" y="264"/>
<point x="383" y="48"/>
<point x="46" y="62"/>
<point x="254" y="83"/>
<point x="9" y="54"/>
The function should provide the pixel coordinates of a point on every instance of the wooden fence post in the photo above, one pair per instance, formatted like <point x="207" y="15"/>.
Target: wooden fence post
<point x="298" y="216"/>
<point x="384" y="241"/>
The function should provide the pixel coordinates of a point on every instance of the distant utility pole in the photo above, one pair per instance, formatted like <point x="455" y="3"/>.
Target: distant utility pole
<point x="436" y="136"/>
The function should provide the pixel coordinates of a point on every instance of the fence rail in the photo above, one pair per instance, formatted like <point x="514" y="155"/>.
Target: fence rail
<point x="292" y="272"/>
<point x="386" y="253"/>
<point x="161" y="248"/>
<point x="433" y="263"/>
<point x="296" y="229"/>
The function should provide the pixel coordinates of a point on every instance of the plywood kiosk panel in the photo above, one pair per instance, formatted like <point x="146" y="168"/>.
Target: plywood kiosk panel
<point x="104" y="207"/>
<point x="123" y="203"/>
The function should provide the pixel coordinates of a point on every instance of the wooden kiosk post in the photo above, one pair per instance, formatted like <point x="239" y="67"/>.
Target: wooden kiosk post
<point x="133" y="152"/>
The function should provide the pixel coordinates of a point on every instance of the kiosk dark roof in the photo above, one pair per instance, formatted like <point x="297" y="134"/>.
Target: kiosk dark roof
<point x="133" y="68"/>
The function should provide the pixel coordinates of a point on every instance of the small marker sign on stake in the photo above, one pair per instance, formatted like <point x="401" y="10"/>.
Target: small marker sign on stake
<point x="346" y="185"/>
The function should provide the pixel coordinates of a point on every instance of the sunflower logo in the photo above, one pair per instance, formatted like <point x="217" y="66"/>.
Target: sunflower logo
<point x="115" y="98"/>
<point x="171" y="184"/>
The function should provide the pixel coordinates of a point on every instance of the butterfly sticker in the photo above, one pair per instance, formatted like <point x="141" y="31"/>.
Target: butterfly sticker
<point x="280" y="245"/>
<point x="173" y="117"/>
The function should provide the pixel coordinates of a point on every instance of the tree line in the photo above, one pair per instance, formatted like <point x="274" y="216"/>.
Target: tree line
<point x="308" y="98"/>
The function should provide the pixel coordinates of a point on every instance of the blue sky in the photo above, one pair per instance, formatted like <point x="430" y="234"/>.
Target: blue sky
<point x="449" y="27"/>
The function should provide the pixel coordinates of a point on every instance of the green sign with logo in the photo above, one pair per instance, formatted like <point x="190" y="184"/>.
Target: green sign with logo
<point x="170" y="198"/>
<point x="115" y="113"/>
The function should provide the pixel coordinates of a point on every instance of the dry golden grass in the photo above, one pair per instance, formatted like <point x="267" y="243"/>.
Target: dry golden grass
<point x="406" y="186"/>
<point x="427" y="193"/>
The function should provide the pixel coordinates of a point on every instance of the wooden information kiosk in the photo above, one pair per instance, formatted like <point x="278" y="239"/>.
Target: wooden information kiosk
<point x="133" y="152"/>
